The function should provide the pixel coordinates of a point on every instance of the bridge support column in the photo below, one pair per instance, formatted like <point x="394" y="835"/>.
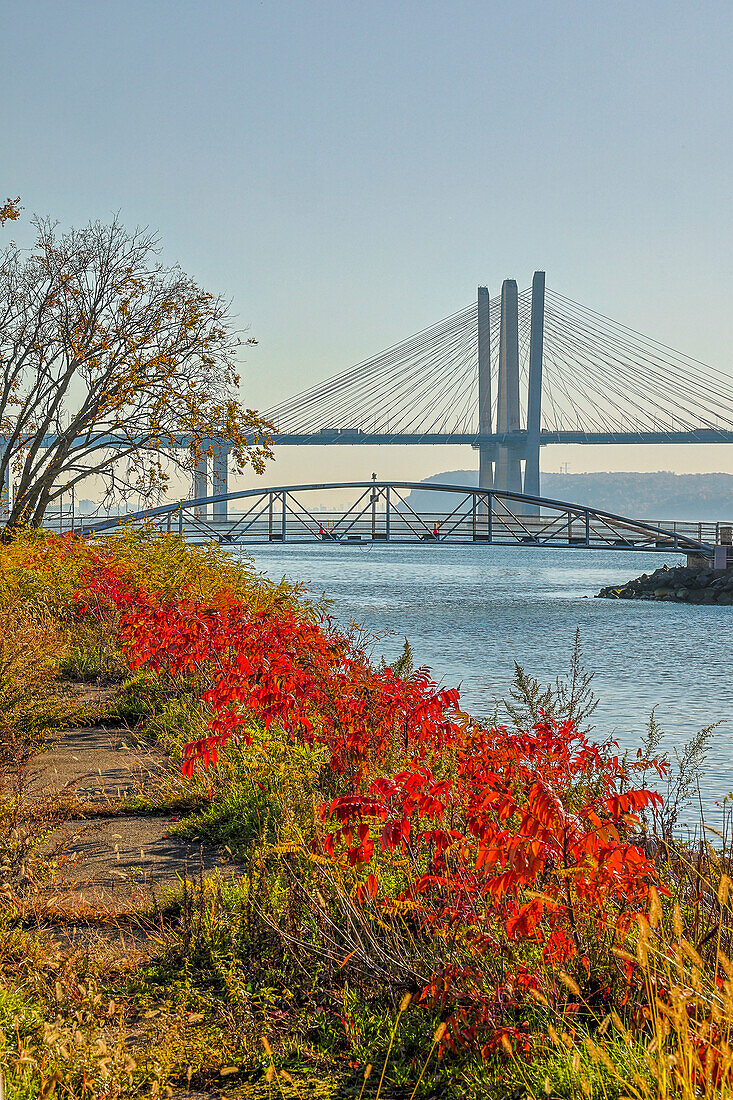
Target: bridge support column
<point x="220" y="478"/>
<point x="485" y="451"/>
<point x="201" y="481"/>
<point x="534" y="402"/>
<point x="508" y="474"/>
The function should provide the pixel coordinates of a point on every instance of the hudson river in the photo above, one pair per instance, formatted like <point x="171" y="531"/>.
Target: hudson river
<point x="470" y="612"/>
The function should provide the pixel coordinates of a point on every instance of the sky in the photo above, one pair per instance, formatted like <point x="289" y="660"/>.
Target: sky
<point x="348" y="173"/>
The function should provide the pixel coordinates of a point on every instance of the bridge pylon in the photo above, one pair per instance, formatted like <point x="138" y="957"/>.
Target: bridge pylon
<point x="486" y="451"/>
<point x="534" y="394"/>
<point x="508" y="473"/>
<point x="500" y="464"/>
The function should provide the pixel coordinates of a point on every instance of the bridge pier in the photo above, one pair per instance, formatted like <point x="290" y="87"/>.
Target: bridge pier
<point x="508" y="473"/>
<point x="201" y="481"/>
<point x="485" y="451"/>
<point x="534" y="397"/>
<point x="220" y="477"/>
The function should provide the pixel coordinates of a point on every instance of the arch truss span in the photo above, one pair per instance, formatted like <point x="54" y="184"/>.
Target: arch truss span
<point x="404" y="512"/>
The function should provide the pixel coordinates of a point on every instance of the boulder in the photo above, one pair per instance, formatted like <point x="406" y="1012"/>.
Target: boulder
<point x="686" y="584"/>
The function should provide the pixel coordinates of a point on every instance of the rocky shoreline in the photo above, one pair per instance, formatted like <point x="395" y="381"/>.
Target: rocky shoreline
<point x="681" y="584"/>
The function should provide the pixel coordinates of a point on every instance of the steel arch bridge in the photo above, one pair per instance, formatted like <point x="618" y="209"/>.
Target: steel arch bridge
<point x="381" y="512"/>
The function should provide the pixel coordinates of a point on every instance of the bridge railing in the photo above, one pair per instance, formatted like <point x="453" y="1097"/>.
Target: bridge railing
<point x="569" y="531"/>
<point x="709" y="533"/>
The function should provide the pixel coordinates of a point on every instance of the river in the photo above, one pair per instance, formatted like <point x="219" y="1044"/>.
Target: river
<point x="471" y="612"/>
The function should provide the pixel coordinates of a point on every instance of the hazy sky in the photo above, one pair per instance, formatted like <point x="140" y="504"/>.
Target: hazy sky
<point x="349" y="172"/>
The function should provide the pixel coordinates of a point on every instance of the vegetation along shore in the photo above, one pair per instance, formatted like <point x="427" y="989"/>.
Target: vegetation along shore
<point x="239" y="858"/>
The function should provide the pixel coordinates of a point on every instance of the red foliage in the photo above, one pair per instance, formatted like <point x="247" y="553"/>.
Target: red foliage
<point x="529" y="839"/>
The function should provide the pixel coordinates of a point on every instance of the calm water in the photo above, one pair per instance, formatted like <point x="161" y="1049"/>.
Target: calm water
<point x="470" y="612"/>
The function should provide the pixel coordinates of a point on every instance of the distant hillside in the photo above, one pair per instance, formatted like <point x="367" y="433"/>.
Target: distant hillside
<point x="662" y="495"/>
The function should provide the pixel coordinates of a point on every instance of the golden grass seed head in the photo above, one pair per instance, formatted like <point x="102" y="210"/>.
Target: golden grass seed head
<point x="570" y="983"/>
<point x="677" y="921"/>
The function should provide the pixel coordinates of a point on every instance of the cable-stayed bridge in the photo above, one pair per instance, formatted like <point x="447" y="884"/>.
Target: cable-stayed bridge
<point x="509" y="375"/>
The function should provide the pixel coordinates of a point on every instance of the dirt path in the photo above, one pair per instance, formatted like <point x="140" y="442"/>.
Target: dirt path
<point x="105" y="855"/>
<point x="110" y="867"/>
<point x="95" y="767"/>
<point x="105" y="869"/>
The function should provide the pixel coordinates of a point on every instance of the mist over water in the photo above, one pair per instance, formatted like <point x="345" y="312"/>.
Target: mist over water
<point x="470" y="612"/>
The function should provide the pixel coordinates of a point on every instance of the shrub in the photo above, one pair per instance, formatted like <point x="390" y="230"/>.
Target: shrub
<point x="512" y="845"/>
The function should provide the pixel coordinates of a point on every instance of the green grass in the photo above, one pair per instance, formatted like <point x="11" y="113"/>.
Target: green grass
<point x="238" y="819"/>
<point x="139" y="698"/>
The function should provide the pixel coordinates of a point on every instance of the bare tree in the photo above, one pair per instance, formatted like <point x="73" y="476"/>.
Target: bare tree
<point x="109" y="361"/>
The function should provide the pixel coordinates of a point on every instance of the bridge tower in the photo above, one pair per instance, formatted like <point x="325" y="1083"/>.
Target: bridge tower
<point x="505" y="458"/>
<point x="534" y="396"/>
<point x="486" y="451"/>
<point x="508" y="474"/>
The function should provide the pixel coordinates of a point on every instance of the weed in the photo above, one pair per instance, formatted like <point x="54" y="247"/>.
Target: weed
<point x="570" y="699"/>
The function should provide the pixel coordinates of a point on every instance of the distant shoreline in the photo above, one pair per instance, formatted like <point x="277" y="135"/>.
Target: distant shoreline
<point x="703" y="498"/>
